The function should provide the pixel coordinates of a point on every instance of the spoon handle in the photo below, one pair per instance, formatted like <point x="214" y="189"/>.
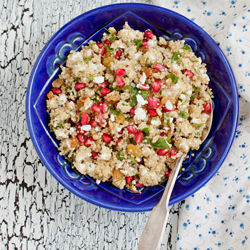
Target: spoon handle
<point x="152" y="234"/>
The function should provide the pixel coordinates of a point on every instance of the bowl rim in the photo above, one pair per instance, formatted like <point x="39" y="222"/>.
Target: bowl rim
<point x="52" y="170"/>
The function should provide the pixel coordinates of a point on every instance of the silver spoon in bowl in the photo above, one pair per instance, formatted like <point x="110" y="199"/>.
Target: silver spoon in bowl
<point x="152" y="234"/>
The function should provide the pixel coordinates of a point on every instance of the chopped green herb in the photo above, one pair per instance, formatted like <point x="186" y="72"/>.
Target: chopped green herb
<point x="133" y="93"/>
<point x="138" y="43"/>
<point x="132" y="141"/>
<point x="119" y="156"/>
<point x="154" y="118"/>
<point x="92" y="44"/>
<point x="198" y="133"/>
<point x="108" y="49"/>
<point x="112" y="38"/>
<point x="196" y="89"/>
<point x="70" y="160"/>
<point x="76" y="79"/>
<point x="90" y="77"/>
<point x="187" y="47"/>
<point x="59" y="125"/>
<point x="119" y="89"/>
<point x="176" y="56"/>
<point x="183" y="114"/>
<point x="184" y="93"/>
<point x="87" y="59"/>
<point x="54" y="117"/>
<point x="197" y="125"/>
<point x="68" y="87"/>
<point x="147" y="141"/>
<point x="52" y="129"/>
<point x="132" y="159"/>
<point x="99" y="88"/>
<point x="147" y="81"/>
<point x="115" y="112"/>
<point x="160" y="144"/>
<point x="191" y="97"/>
<point x="144" y="94"/>
<point x="173" y="77"/>
<point x="195" y="70"/>
<point x="96" y="97"/>
<point x="146" y="131"/>
<point x="124" y="104"/>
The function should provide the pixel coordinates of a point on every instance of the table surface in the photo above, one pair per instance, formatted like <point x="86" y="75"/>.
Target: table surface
<point x="35" y="211"/>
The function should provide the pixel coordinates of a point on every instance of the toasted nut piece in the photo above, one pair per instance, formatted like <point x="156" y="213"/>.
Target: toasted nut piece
<point x="80" y="103"/>
<point x="73" y="142"/>
<point x="117" y="174"/>
<point x="57" y="83"/>
<point x="149" y="72"/>
<point x="95" y="48"/>
<point x="134" y="150"/>
<point x="120" y="119"/>
<point x="50" y="95"/>
<point x="106" y="61"/>
<point x="112" y="30"/>
<point x="158" y="111"/>
<point x="170" y="98"/>
<point x="113" y="96"/>
<point x="96" y="137"/>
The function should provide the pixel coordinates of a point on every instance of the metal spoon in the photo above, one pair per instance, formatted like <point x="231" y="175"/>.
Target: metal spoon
<point x="152" y="234"/>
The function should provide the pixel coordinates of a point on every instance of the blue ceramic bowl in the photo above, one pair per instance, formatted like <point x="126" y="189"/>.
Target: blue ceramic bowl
<point x="200" y="168"/>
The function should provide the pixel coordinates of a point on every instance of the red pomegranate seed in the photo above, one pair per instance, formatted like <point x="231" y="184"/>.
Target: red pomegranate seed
<point x="106" y="138"/>
<point x="103" y="84"/>
<point x="118" y="141"/>
<point x="162" y="152"/>
<point x="131" y="129"/>
<point x="188" y="73"/>
<point x="104" y="108"/>
<point x="207" y="108"/>
<point x="148" y="34"/>
<point x="129" y="179"/>
<point x="79" y="86"/>
<point x="107" y="42"/>
<point x="94" y="154"/>
<point x="80" y="138"/>
<point x="84" y="118"/>
<point x="118" y="54"/>
<point x="139" y="185"/>
<point x="103" y="51"/>
<point x="120" y="72"/>
<point x="168" y="174"/>
<point x="99" y="103"/>
<point x="145" y="43"/>
<point x="173" y="152"/>
<point x="121" y="131"/>
<point x="78" y="123"/>
<point x="120" y="82"/>
<point x="105" y="91"/>
<point x="144" y="86"/>
<point x="153" y="103"/>
<point x="101" y="118"/>
<point x="163" y="134"/>
<point x="100" y="45"/>
<point x="93" y="123"/>
<point x="56" y="91"/>
<point x="152" y="113"/>
<point x="156" y="85"/>
<point x="88" y="141"/>
<point x="132" y="111"/>
<point x="138" y="137"/>
<point x="164" y="109"/>
<point x="159" y="67"/>
<point x="96" y="108"/>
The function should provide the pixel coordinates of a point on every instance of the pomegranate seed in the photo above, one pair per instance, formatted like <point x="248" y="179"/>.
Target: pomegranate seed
<point x="78" y="123"/>
<point x="56" y="91"/>
<point x="107" y="42"/>
<point x="105" y="91"/>
<point x="207" y="108"/>
<point x="120" y="72"/>
<point x="71" y="100"/>
<point x="80" y="138"/>
<point x="94" y="154"/>
<point x="162" y="152"/>
<point x="104" y="108"/>
<point x="129" y="179"/>
<point x="96" y="108"/>
<point x="103" y="51"/>
<point x="138" y="137"/>
<point x="156" y="85"/>
<point x="148" y="34"/>
<point x="100" y="45"/>
<point x="88" y="141"/>
<point x="173" y="152"/>
<point x="144" y="86"/>
<point x="163" y="134"/>
<point x="79" y="86"/>
<point x="131" y="129"/>
<point x="106" y="138"/>
<point x="164" y="109"/>
<point x="118" y="141"/>
<point x="188" y="73"/>
<point x="152" y="113"/>
<point x="101" y="118"/>
<point x="139" y="185"/>
<point x="132" y="111"/>
<point x="159" y="67"/>
<point x="120" y="82"/>
<point x="118" y="54"/>
<point x="153" y="103"/>
<point x="145" y="43"/>
<point x="100" y="103"/>
<point x="103" y="84"/>
<point x="84" y="118"/>
<point x="168" y="174"/>
<point x="93" y="123"/>
<point x="121" y="131"/>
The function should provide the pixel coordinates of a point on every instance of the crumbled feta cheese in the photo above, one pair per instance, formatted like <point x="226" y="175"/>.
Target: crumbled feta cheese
<point x="140" y="114"/>
<point x="133" y="182"/>
<point x="132" y="84"/>
<point x="184" y="145"/>
<point x="176" y="86"/>
<point x="169" y="105"/>
<point x="118" y="129"/>
<point x="166" y="128"/>
<point x="182" y="97"/>
<point x="119" y="165"/>
<point x="60" y="134"/>
<point x="62" y="98"/>
<point x="189" y="92"/>
<point x="194" y="120"/>
<point x="175" y="66"/>
<point x="112" y="117"/>
<point x="140" y="100"/>
<point x="96" y="129"/>
<point x="98" y="79"/>
<point x="137" y="55"/>
<point x="88" y="104"/>
<point x="105" y="153"/>
<point x="138" y="159"/>
<point x="104" y="156"/>
<point x="143" y="78"/>
<point x="72" y="130"/>
<point x="125" y="172"/>
<point x="81" y="167"/>
<point x="171" y="119"/>
<point x="156" y="122"/>
<point x="86" y="127"/>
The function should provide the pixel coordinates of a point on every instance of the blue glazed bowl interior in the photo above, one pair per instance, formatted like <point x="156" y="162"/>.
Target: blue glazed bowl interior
<point x="200" y="168"/>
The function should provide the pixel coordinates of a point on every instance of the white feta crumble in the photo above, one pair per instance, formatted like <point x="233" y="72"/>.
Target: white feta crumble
<point x="88" y="104"/>
<point x="166" y="128"/>
<point x="60" y="134"/>
<point x="143" y="78"/>
<point x="176" y="86"/>
<point x="112" y="117"/>
<point x="72" y="130"/>
<point x="185" y="146"/>
<point x="137" y="55"/>
<point x="171" y="119"/>
<point x="175" y="66"/>
<point x="156" y="122"/>
<point x="133" y="182"/>
<point x="132" y="84"/>
<point x="140" y="114"/>
<point x="140" y="100"/>
<point x="169" y="105"/>
<point x="98" y="79"/>
<point x="189" y="92"/>
<point x="105" y="156"/>
<point x="96" y="129"/>
<point x="194" y="120"/>
<point x="86" y="127"/>
<point x="183" y="97"/>
<point x="62" y="98"/>
<point x="118" y="129"/>
<point x="81" y="167"/>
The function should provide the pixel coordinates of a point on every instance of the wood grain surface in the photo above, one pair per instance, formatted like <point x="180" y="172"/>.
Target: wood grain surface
<point x="36" y="212"/>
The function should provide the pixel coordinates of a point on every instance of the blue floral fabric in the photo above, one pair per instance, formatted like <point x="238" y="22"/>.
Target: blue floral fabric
<point x="218" y="215"/>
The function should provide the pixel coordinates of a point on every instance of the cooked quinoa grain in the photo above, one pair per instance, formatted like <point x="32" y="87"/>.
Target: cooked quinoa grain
<point x="124" y="109"/>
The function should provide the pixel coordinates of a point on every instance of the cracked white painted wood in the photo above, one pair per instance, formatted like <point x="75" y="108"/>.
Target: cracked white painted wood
<point x="35" y="211"/>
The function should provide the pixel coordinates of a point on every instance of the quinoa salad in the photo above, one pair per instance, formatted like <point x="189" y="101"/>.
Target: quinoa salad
<point x="126" y="107"/>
